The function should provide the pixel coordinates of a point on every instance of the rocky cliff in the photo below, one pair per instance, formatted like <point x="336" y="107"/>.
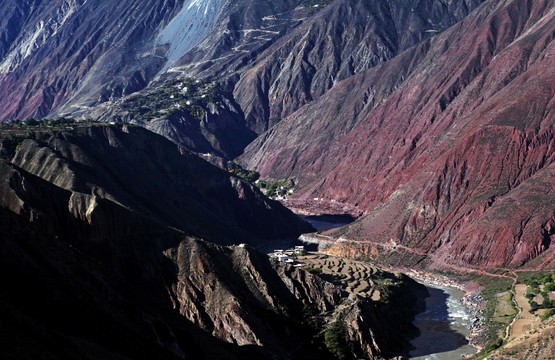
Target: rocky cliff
<point x="150" y="175"/>
<point x="115" y="284"/>
<point x="446" y="148"/>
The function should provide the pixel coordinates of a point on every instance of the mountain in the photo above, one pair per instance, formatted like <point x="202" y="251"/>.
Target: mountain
<point x="345" y="38"/>
<point x="114" y="281"/>
<point x="83" y="52"/>
<point x="150" y="175"/>
<point x="447" y="149"/>
<point x="431" y="118"/>
<point x="431" y="121"/>
<point x="269" y="58"/>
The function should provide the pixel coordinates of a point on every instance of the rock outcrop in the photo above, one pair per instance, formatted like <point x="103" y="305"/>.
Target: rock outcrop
<point x="112" y="283"/>
<point x="150" y="175"/>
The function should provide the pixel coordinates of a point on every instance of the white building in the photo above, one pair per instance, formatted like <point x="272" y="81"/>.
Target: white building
<point x="282" y="257"/>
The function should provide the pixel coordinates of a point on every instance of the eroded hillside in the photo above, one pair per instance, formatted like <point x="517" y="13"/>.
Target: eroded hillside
<point x="122" y="278"/>
<point x="447" y="149"/>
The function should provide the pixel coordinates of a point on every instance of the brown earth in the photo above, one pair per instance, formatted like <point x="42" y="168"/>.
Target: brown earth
<point x="451" y="150"/>
<point x="526" y="319"/>
<point x="87" y="273"/>
<point x="354" y="276"/>
<point x="536" y="343"/>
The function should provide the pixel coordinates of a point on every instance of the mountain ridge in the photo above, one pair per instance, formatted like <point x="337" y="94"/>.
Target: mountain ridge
<point x="150" y="175"/>
<point x="112" y="277"/>
<point x="428" y="156"/>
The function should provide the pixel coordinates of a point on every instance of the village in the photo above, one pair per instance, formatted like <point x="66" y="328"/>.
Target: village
<point x="352" y="276"/>
<point x="289" y="256"/>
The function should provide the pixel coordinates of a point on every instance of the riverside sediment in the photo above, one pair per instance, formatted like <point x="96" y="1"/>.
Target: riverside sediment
<point x="472" y="300"/>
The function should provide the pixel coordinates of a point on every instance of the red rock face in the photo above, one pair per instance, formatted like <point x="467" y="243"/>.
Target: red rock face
<point x="448" y="148"/>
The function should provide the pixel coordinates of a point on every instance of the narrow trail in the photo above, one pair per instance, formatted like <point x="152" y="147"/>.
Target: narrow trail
<point x="507" y="273"/>
<point x="517" y="307"/>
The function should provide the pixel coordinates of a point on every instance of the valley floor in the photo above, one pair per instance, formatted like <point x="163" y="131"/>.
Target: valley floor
<point x="446" y="315"/>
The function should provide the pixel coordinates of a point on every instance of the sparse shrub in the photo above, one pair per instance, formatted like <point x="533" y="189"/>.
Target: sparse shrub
<point x="271" y="191"/>
<point x="236" y="169"/>
<point x="336" y="340"/>
<point x="495" y="344"/>
<point x="280" y="187"/>
<point x="534" y="305"/>
<point x="548" y="314"/>
<point x="31" y="122"/>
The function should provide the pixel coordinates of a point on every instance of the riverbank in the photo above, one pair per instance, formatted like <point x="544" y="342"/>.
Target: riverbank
<point x="474" y="304"/>
<point x="443" y="325"/>
<point x="472" y="300"/>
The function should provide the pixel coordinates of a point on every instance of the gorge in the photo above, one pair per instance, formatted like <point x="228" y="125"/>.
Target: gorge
<point x="142" y="142"/>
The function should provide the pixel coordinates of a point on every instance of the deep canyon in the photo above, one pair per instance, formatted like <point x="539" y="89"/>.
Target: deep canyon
<point x="144" y="146"/>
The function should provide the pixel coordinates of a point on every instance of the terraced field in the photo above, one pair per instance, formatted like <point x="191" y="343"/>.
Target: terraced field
<point x="354" y="276"/>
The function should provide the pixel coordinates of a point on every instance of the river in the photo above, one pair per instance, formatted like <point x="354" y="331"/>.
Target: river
<point x="327" y="222"/>
<point x="319" y="222"/>
<point x="444" y="326"/>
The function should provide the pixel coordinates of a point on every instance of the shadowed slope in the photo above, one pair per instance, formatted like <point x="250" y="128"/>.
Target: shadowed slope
<point x="153" y="177"/>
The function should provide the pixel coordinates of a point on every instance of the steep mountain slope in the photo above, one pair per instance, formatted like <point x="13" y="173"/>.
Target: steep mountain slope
<point x="271" y="58"/>
<point x="78" y="53"/>
<point x="99" y="279"/>
<point x="188" y="28"/>
<point x="63" y="59"/>
<point x="447" y="148"/>
<point x="115" y="284"/>
<point x="150" y="175"/>
<point x="241" y="32"/>
<point x="347" y="37"/>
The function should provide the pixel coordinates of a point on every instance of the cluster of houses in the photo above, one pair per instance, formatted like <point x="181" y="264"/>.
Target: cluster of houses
<point x="284" y="255"/>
